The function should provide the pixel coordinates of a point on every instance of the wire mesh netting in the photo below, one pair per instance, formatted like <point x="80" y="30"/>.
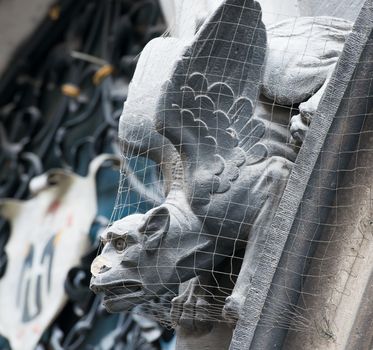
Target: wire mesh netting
<point x="259" y="128"/>
<point x="61" y="97"/>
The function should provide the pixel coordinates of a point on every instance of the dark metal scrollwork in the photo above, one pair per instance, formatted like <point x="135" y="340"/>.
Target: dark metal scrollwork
<point x="64" y="112"/>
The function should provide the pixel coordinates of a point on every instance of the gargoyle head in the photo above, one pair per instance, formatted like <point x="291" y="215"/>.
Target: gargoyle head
<point x="141" y="257"/>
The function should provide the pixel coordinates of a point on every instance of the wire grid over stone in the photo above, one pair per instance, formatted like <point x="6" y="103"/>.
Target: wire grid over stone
<point x="208" y="150"/>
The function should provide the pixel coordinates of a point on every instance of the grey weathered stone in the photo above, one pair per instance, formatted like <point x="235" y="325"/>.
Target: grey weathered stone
<point x="226" y="156"/>
<point x="337" y="299"/>
<point x="348" y="9"/>
<point x="336" y="129"/>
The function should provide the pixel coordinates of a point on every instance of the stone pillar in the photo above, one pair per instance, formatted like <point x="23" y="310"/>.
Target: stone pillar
<point x="28" y="15"/>
<point x="336" y="301"/>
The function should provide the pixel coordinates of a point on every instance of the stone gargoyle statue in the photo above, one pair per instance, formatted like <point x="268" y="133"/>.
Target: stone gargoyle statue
<point x="223" y="115"/>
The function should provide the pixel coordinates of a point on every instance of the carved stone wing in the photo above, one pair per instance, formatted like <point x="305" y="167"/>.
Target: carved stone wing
<point x="206" y="108"/>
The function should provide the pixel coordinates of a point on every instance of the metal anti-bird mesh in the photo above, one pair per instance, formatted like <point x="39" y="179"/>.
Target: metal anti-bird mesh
<point x="270" y="131"/>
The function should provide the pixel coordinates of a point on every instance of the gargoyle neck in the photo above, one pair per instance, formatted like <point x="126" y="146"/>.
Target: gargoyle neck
<point x="190" y="246"/>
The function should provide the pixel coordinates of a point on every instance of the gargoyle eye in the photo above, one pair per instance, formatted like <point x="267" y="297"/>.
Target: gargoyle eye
<point x="119" y="244"/>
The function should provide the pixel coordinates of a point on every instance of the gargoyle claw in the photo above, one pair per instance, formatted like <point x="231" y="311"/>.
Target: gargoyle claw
<point x="191" y="311"/>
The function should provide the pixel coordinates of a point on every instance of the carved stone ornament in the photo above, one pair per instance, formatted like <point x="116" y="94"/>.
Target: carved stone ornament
<point x="214" y="113"/>
<point x="49" y="235"/>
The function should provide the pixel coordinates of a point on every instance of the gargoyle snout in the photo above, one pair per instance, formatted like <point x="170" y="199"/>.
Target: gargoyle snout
<point x="100" y="265"/>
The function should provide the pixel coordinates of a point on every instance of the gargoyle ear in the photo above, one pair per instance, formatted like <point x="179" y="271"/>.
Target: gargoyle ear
<point x="155" y="227"/>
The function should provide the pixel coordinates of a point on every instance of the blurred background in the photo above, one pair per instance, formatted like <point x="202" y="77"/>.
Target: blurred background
<point x="65" y="67"/>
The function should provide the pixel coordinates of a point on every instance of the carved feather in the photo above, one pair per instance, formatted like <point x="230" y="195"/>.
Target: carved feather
<point x="206" y="107"/>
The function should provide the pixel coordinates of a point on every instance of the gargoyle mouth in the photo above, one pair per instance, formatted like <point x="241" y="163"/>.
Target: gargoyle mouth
<point x="121" y="296"/>
<point x="125" y="289"/>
